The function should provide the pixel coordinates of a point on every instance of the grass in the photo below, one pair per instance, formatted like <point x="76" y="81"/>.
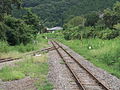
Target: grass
<point x="19" y="50"/>
<point x="57" y="35"/>
<point x="103" y="53"/>
<point x="35" y="67"/>
<point x="7" y="74"/>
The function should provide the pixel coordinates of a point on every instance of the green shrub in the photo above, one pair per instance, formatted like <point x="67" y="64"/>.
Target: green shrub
<point x="6" y="74"/>
<point x="19" y="32"/>
<point x="4" y="47"/>
<point x="25" y="48"/>
<point x="3" y="29"/>
<point x="108" y="34"/>
<point x="90" y="32"/>
<point x="76" y="21"/>
<point x="91" y="19"/>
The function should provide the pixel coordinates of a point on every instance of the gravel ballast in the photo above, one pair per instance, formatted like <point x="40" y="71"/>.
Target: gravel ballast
<point x="59" y="75"/>
<point x="22" y="84"/>
<point x="109" y="80"/>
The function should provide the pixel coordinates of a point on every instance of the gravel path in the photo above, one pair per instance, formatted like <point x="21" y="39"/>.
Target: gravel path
<point x="59" y="75"/>
<point x="110" y="80"/>
<point x="9" y="63"/>
<point x="23" y="84"/>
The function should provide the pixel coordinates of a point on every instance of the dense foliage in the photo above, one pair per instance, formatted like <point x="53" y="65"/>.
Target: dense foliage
<point x="105" y="25"/>
<point x="19" y="32"/>
<point x="75" y="15"/>
<point x="16" y="31"/>
<point x="112" y="16"/>
<point x="6" y="7"/>
<point x="56" y="12"/>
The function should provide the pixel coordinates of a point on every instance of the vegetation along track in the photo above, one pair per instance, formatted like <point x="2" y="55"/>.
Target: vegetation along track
<point x="83" y="77"/>
<point x="2" y="60"/>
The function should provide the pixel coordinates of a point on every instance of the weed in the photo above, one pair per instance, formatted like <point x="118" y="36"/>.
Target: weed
<point x="103" y="53"/>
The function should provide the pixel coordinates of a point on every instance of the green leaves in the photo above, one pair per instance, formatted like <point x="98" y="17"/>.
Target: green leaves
<point x="58" y="12"/>
<point x="33" y="20"/>
<point x="19" y="31"/>
<point x="6" y="7"/>
<point x="91" y="19"/>
<point x="112" y="16"/>
<point x="76" y="21"/>
<point x="16" y="31"/>
<point x="3" y="29"/>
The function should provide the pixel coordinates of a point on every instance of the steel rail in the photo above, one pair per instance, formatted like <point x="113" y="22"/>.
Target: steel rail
<point x="99" y="82"/>
<point x="8" y="59"/>
<point x="73" y="73"/>
<point x="2" y="60"/>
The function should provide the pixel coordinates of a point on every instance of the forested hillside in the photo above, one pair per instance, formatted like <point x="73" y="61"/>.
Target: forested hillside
<point x="56" y="12"/>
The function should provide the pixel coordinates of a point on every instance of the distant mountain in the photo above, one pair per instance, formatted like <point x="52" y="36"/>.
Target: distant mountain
<point x="56" y="12"/>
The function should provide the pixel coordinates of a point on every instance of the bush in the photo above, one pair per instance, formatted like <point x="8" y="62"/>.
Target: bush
<point x="4" y="47"/>
<point x="108" y="34"/>
<point x="26" y="48"/>
<point x="90" y="32"/>
<point x="3" y="29"/>
<point x="72" y="33"/>
<point x="91" y="19"/>
<point x="76" y="21"/>
<point x="80" y="33"/>
<point x="19" y="32"/>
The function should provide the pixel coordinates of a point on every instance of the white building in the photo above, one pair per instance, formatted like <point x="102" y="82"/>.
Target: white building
<point x="54" y="29"/>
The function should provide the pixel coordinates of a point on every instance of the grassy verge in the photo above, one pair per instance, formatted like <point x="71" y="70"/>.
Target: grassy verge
<point x="103" y="53"/>
<point x="19" y="50"/>
<point x="35" y="67"/>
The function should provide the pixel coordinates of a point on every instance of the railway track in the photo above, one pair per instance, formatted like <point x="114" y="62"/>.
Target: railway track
<point x="8" y="59"/>
<point x="83" y="77"/>
<point x="2" y="60"/>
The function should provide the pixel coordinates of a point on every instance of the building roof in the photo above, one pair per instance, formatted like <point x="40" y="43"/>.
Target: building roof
<point x="54" y="28"/>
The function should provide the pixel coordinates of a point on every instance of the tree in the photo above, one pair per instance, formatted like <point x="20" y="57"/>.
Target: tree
<point x="116" y="8"/>
<point x="117" y="26"/>
<point x="112" y="17"/>
<point x="91" y="19"/>
<point x="109" y="18"/>
<point x="33" y="20"/>
<point x="3" y="30"/>
<point x="58" y="11"/>
<point x="19" y="31"/>
<point x="76" y="21"/>
<point x="6" y="7"/>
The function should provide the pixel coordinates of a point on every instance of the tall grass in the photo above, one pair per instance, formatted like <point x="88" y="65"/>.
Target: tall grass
<point x="4" y="47"/>
<point x="56" y="35"/>
<point x="35" y="67"/>
<point x="103" y="53"/>
<point x="8" y="51"/>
